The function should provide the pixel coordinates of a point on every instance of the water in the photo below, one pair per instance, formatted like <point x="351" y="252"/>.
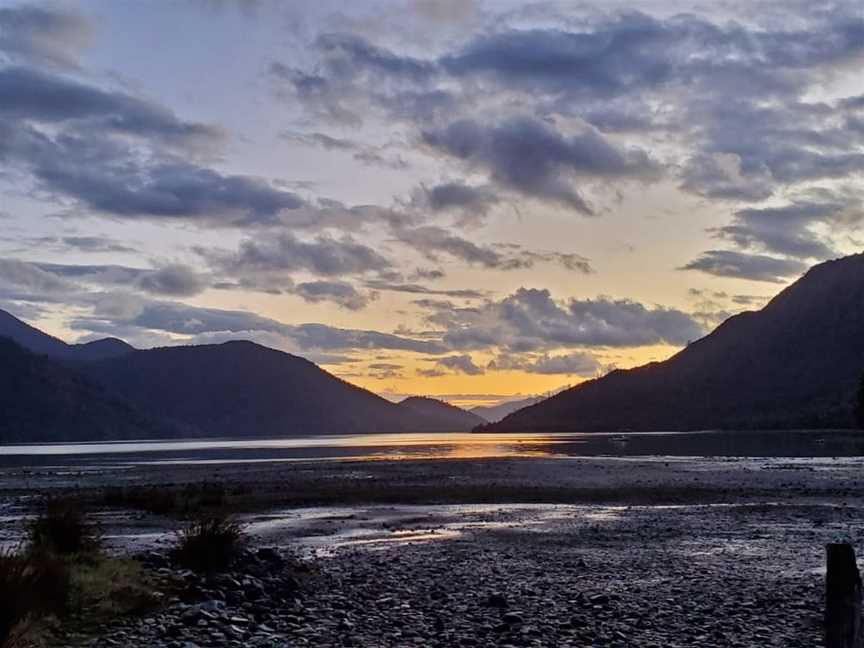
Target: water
<point x="798" y="443"/>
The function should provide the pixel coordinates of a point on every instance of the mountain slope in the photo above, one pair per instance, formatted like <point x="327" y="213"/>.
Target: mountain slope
<point x="494" y="413"/>
<point x="447" y="417"/>
<point x="43" y="401"/>
<point x="795" y="363"/>
<point x="36" y="341"/>
<point x="242" y="389"/>
<point x="29" y="337"/>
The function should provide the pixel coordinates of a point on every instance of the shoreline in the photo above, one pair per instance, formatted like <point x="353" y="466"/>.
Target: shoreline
<point x="593" y="551"/>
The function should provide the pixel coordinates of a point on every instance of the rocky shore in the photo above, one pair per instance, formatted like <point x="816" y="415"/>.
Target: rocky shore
<point x="744" y="567"/>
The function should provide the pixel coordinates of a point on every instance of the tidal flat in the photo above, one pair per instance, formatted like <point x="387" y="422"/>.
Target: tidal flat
<point x="599" y="551"/>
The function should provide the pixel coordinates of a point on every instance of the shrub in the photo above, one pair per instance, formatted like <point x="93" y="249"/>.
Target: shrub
<point x="62" y="528"/>
<point x="31" y="587"/>
<point x="209" y="544"/>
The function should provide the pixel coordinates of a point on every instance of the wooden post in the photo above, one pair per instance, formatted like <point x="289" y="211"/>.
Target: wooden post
<point x="843" y="599"/>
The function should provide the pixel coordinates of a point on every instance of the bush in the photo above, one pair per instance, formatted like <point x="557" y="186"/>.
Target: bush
<point x="209" y="544"/>
<point x="31" y="587"/>
<point x="62" y="528"/>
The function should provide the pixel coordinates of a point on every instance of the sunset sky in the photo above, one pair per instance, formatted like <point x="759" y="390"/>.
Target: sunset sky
<point x="472" y="200"/>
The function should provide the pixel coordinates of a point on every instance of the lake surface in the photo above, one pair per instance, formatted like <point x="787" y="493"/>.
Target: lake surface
<point x="797" y="443"/>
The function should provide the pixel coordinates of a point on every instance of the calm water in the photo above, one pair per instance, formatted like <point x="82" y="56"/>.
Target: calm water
<point x="803" y="443"/>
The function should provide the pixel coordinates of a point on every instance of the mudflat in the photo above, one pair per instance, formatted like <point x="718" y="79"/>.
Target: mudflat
<point x="489" y="552"/>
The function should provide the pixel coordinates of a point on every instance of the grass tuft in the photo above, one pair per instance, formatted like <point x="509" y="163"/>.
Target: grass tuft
<point x="61" y="528"/>
<point x="31" y="586"/>
<point x="209" y="544"/>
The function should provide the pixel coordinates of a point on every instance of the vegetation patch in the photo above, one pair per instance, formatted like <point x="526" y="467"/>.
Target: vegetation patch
<point x="210" y="544"/>
<point x="62" y="528"/>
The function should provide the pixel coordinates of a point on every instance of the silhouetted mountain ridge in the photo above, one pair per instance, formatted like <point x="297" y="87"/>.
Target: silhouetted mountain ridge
<point x="243" y="389"/>
<point x="794" y="364"/>
<point x="236" y="389"/>
<point x="38" y="342"/>
<point x="449" y="418"/>
<point x="43" y="400"/>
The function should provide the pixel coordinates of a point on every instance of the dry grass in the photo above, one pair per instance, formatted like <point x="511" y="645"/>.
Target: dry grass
<point x="209" y="544"/>
<point x="32" y="586"/>
<point x="62" y="528"/>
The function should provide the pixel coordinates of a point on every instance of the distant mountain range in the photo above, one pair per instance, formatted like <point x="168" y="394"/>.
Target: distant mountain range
<point x="493" y="413"/>
<point x="794" y="364"/>
<point x="108" y="390"/>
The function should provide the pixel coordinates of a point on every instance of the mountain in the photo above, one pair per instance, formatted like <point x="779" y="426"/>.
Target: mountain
<point x="29" y="337"/>
<point x="794" y="364"/>
<point x="242" y="389"/>
<point x="494" y="413"/>
<point x="38" y="342"/>
<point x="237" y="389"/>
<point x="42" y="400"/>
<point x="447" y="417"/>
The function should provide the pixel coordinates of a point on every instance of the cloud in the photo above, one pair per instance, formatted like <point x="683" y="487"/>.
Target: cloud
<point x="575" y="364"/>
<point x="92" y="244"/>
<point x="21" y="280"/>
<point x="119" y="314"/>
<point x="43" y="36"/>
<point x="339" y="292"/>
<point x="107" y="176"/>
<point x="282" y="253"/>
<point x="33" y="95"/>
<point x="527" y="155"/>
<point x="739" y="265"/>
<point x="472" y="203"/>
<point x="531" y="320"/>
<point x="787" y="229"/>
<point x="364" y="153"/>
<point x="416" y="289"/>
<point x="732" y="99"/>
<point x="455" y="364"/>
<point x="433" y="241"/>
<point x="174" y="280"/>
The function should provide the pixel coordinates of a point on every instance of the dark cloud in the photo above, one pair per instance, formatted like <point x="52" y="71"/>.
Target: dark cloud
<point x="417" y="289"/>
<point x="719" y="177"/>
<point x="456" y="364"/>
<point x="786" y="230"/>
<point x="529" y="156"/>
<point x="575" y="364"/>
<point x="755" y="267"/>
<point x="471" y="202"/>
<point x="173" y="280"/>
<point x="434" y="241"/>
<point x="284" y="253"/>
<point x="339" y="292"/>
<point x="733" y="97"/>
<point x="530" y="320"/>
<point x="107" y="176"/>
<point x="74" y="284"/>
<point x="31" y="95"/>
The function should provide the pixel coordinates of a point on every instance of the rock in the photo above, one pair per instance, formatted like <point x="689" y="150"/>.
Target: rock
<point x="497" y="600"/>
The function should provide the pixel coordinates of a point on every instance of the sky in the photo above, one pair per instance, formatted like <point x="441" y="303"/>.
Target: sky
<point x="466" y="199"/>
